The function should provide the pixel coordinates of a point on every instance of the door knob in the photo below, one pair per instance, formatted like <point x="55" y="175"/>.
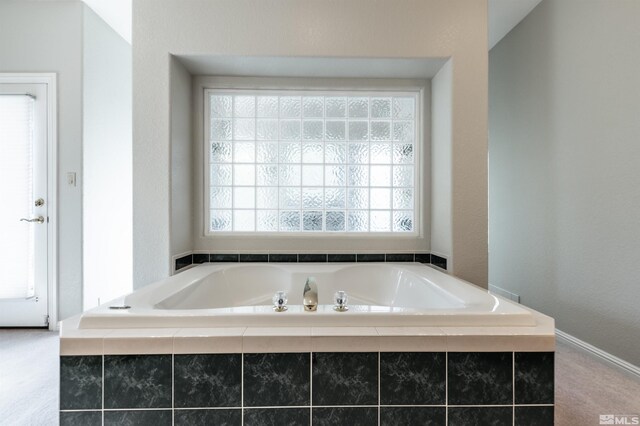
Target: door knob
<point x="38" y="219"/>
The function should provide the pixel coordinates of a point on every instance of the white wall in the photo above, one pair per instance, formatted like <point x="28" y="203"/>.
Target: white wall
<point x="564" y="151"/>
<point x="358" y="28"/>
<point x="106" y="96"/>
<point x="47" y="37"/>
<point x="182" y="218"/>
<point x="441" y="88"/>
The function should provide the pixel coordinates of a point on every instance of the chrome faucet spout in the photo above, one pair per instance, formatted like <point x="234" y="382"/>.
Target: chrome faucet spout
<point x="310" y="295"/>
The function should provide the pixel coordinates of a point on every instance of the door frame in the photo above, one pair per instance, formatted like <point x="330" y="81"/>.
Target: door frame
<point x="50" y="79"/>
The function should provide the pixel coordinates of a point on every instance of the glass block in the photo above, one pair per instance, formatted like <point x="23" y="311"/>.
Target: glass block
<point x="335" y="175"/>
<point x="290" y="221"/>
<point x="403" y="153"/>
<point x="244" y="174"/>
<point x="267" y="198"/>
<point x="267" y="130"/>
<point x="358" y="107"/>
<point x="312" y="106"/>
<point x="290" y="130"/>
<point x="403" y="131"/>
<point x="380" y="130"/>
<point x="267" y="175"/>
<point x="289" y="175"/>
<point x="312" y="152"/>
<point x="404" y="108"/>
<point x="312" y="130"/>
<point x="290" y="106"/>
<point x="244" y="198"/>
<point x="290" y="152"/>
<point x="403" y="198"/>
<point x="335" y="107"/>
<point x="357" y="198"/>
<point x="220" y="130"/>
<point x="312" y="198"/>
<point x="267" y="220"/>
<point x="312" y="175"/>
<point x="244" y="129"/>
<point x="335" y="221"/>
<point x="244" y="152"/>
<point x="358" y="130"/>
<point x="380" y="198"/>
<point x="220" y="152"/>
<point x="290" y="198"/>
<point x="380" y="175"/>
<point x="244" y="106"/>
<point x="381" y="108"/>
<point x="220" y="175"/>
<point x="403" y="176"/>
<point x="358" y="153"/>
<point x="335" y="130"/>
<point x="220" y="106"/>
<point x="220" y="198"/>
<point x="380" y="221"/>
<point x="267" y="106"/>
<point x="358" y="221"/>
<point x="312" y="221"/>
<point x="244" y="220"/>
<point x="403" y="221"/>
<point x="335" y="152"/>
<point x="220" y="220"/>
<point x="267" y="152"/>
<point x="380" y="153"/>
<point x="358" y="176"/>
<point x="334" y="198"/>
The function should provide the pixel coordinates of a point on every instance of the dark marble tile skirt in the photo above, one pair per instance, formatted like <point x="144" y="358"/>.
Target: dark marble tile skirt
<point x="323" y="388"/>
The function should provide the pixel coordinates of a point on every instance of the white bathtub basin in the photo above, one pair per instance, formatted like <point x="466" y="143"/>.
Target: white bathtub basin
<point x="229" y="295"/>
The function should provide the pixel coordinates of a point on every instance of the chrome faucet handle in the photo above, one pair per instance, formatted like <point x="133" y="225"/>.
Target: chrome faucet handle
<point x="280" y="301"/>
<point x="341" y="298"/>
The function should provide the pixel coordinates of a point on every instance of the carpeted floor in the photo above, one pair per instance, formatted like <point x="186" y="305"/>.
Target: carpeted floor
<point x="585" y="387"/>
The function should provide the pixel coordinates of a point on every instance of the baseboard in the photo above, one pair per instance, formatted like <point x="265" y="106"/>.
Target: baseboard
<point x="612" y="360"/>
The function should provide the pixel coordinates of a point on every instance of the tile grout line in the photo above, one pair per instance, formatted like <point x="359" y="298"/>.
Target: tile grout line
<point x="242" y="385"/>
<point x="379" y="397"/>
<point x="102" y="405"/>
<point x="173" y="382"/>
<point x="311" y="388"/>
<point x="446" y="387"/>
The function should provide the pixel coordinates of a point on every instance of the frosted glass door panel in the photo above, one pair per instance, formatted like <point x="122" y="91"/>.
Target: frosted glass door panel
<point x="24" y="221"/>
<point x="16" y="181"/>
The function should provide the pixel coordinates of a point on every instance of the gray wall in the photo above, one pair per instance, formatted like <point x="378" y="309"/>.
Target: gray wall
<point x="47" y="37"/>
<point x="564" y="191"/>
<point x="106" y="96"/>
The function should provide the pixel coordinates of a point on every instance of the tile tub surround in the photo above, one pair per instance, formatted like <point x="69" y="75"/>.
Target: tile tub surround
<point x="322" y="388"/>
<point x="186" y="260"/>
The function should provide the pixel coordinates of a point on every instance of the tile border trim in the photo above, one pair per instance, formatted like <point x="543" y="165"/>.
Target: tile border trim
<point x="185" y="261"/>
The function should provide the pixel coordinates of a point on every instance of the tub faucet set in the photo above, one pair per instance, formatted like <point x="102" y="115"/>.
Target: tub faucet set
<point x="310" y="298"/>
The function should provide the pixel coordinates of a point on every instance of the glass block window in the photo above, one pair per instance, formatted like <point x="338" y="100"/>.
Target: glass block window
<point x="323" y="162"/>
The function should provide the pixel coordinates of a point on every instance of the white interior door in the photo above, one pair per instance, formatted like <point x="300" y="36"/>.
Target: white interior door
<point x="24" y="219"/>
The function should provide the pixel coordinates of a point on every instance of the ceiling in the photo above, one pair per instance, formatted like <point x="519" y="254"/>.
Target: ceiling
<point x="503" y="16"/>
